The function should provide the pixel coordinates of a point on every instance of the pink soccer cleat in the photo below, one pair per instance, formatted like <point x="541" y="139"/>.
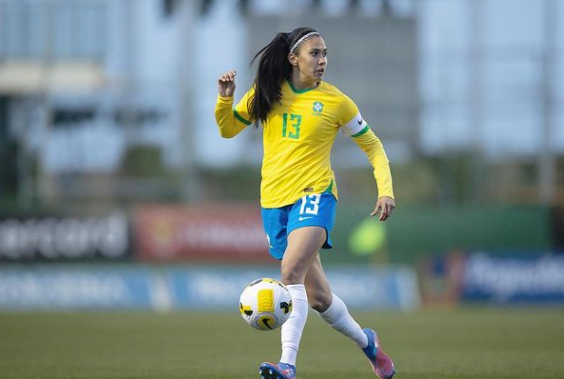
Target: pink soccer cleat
<point x="382" y="365"/>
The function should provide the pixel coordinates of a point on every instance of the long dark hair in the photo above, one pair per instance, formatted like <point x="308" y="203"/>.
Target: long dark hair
<point x="273" y="69"/>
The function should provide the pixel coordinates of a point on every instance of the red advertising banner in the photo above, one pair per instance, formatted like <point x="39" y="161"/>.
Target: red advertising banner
<point x="213" y="233"/>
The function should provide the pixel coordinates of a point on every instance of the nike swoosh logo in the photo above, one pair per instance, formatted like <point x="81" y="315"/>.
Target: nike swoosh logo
<point x="359" y="121"/>
<point x="304" y="218"/>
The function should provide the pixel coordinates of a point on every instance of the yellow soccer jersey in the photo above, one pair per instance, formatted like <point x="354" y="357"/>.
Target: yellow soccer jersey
<point x="297" y="139"/>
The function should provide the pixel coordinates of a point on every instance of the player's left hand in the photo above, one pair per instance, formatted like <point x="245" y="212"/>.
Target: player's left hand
<point x="385" y="205"/>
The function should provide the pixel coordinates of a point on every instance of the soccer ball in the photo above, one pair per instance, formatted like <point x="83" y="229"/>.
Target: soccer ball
<point x="265" y="304"/>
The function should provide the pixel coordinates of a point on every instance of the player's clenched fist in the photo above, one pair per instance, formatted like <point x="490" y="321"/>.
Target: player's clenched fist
<point x="226" y="83"/>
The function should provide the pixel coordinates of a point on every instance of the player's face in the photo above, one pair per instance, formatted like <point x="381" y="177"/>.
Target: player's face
<point x="312" y="59"/>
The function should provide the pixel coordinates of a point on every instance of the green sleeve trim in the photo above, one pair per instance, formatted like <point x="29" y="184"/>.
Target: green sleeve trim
<point x="240" y="118"/>
<point x="366" y="128"/>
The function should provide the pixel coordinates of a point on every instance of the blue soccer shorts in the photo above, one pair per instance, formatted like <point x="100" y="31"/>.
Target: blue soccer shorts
<point x="310" y="210"/>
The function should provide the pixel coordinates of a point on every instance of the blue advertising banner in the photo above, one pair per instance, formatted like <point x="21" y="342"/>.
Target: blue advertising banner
<point x="187" y="287"/>
<point x="359" y="287"/>
<point x="515" y="279"/>
<point x="212" y="287"/>
<point x="50" y="287"/>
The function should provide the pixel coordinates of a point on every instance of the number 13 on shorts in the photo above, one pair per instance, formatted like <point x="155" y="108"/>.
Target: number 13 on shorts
<point x="310" y="204"/>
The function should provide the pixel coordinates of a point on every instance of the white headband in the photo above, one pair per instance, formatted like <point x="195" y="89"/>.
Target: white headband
<point x="302" y="40"/>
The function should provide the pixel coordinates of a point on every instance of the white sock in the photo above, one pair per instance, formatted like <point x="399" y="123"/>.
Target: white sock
<point x="293" y="328"/>
<point x="338" y="316"/>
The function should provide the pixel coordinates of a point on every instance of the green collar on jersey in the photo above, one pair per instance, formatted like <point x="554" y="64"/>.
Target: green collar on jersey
<point x="300" y="90"/>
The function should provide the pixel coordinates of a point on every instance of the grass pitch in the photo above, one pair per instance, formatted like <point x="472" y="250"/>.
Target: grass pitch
<point x="485" y="343"/>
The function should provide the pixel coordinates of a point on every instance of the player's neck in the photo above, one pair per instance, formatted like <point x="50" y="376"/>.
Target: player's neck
<point x="301" y="84"/>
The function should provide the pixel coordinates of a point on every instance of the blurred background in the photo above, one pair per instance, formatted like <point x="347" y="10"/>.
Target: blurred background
<point x="116" y="190"/>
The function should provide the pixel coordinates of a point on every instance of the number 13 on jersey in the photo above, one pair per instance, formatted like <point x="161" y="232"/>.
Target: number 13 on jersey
<point x="291" y="125"/>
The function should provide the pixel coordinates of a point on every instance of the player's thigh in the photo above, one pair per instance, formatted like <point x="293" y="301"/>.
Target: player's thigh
<point x="318" y="290"/>
<point x="303" y="246"/>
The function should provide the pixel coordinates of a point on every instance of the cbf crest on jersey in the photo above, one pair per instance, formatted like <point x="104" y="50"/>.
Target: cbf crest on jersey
<point x="317" y="108"/>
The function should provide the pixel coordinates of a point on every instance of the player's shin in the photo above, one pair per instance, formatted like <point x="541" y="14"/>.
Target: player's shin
<point x="293" y="328"/>
<point x="339" y="318"/>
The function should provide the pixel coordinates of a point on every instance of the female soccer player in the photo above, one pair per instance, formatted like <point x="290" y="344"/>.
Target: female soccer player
<point x="300" y="116"/>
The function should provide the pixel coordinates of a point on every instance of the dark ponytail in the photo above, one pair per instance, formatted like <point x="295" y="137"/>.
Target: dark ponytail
<point x="273" y="69"/>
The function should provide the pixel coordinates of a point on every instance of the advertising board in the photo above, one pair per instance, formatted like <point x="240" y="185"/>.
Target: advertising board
<point x="26" y="238"/>
<point x="185" y="287"/>
<point x="497" y="278"/>
<point x="64" y="287"/>
<point x="215" y="233"/>
<point x="523" y="279"/>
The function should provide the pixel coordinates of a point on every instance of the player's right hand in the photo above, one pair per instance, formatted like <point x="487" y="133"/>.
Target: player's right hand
<point x="226" y="83"/>
<point x="385" y="205"/>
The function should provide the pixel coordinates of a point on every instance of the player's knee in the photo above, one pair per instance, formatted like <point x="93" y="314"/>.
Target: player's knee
<point x="290" y="278"/>
<point x="320" y="302"/>
<point x="290" y="275"/>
